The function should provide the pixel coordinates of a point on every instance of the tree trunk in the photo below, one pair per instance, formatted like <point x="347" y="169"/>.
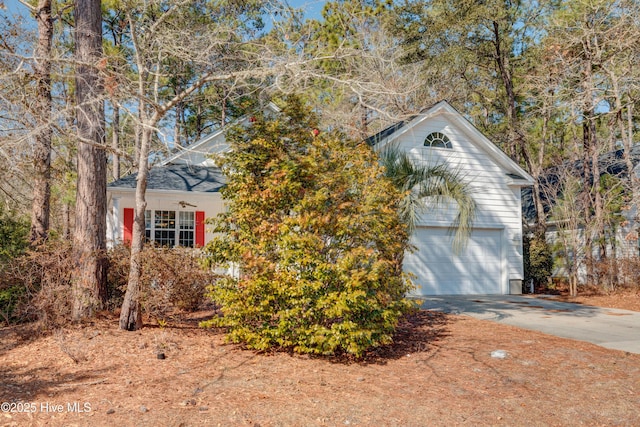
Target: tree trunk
<point x="516" y="142"/>
<point x="626" y="128"/>
<point x="66" y="220"/>
<point x="179" y="127"/>
<point x="42" y="156"/>
<point x="587" y="201"/>
<point x="115" y="143"/>
<point x="89" y="237"/>
<point x="131" y="315"/>
<point x="635" y="180"/>
<point x="138" y="135"/>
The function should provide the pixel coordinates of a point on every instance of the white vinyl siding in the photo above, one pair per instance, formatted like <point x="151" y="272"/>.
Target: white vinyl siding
<point x="498" y="203"/>
<point x="210" y="203"/>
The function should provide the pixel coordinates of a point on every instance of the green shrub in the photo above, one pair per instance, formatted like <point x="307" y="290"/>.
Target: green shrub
<point x="10" y="297"/>
<point x="312" y="225"/>
<point x="538" y="260"/>
<point x="13" y="236"/>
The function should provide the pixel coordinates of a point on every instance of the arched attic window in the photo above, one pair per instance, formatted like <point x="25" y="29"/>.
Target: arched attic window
<point x="437" y="140"/>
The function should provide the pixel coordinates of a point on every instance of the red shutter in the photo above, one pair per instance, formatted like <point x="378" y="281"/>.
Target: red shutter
<point x="128" y="226"/>
<point x="199" y="228"/>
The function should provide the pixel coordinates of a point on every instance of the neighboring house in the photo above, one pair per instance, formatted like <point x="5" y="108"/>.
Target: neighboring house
<point x="569" y="241"/>
<point x="186" y="185"/>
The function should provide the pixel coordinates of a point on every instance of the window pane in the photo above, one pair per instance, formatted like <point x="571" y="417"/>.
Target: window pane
<point x="164" y="228"/>
<point x="147" y="220"/>
<point x="147" y="226"/>
<point x="165" y="220"/>
<point x="187" y="226"/>
<point x="437" y="140"/>
<point x="187" y="220"/>
<point x="165" y="237"/>
<point x="186" y="238"/>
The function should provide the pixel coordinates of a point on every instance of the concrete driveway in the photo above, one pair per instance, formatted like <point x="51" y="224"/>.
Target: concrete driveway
<point x="606" y="327"/>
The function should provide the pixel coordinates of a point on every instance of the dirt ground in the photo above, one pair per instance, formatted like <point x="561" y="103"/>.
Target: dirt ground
<point x="439" y="372"/>
<point x="625" y="299"/>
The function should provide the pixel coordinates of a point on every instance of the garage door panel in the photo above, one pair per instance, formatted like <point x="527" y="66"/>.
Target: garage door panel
<point x="439" y="271"/>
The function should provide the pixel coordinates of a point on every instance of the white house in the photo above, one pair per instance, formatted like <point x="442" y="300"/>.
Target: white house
<point x="492" y="262"/>
<point x="184" y="190"/>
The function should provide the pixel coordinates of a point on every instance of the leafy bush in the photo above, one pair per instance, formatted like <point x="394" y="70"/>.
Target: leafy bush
<point x="13" y="236"/>
<point x="312" y="225"/>
<point x="538" y="260"/>
<point x="10" y="297"/>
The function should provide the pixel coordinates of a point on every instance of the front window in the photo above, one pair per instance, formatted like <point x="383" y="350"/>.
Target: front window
<point x="170" y="228"/>
<point x="187" y="226"/>
<point x="437" y="140"/>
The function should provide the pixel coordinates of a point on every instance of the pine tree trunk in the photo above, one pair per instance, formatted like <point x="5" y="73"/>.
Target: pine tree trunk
<point x="89" y="237"/>
<point x="515" y="142"/>
<point x="42" y="157"/>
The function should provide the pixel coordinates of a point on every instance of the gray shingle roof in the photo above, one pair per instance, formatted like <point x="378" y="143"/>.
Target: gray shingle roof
<point x="178" y="178"/>
<point x="374" y="139"/>
<point x="611" y="163"/>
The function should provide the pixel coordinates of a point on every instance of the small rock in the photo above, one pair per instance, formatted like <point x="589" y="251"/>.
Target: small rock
<point x="203" y="408"/>
<point x="111" y="411"/>
<point x="499" y="354"/>
<point x="161" y="356"/>
<point x="143" y="409"/>
<point x="197" y="390"/>
<point x="360" y="379"/>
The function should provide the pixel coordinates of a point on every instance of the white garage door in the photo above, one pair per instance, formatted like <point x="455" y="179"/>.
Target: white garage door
<point x="439" y="271"/>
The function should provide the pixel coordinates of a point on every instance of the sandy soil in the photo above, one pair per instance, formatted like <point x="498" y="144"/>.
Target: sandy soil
<point x="439" y="372"/>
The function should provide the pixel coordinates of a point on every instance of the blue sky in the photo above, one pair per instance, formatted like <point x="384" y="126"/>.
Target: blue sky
<point x="312" y="8"/>
<point x="12" y="7"/>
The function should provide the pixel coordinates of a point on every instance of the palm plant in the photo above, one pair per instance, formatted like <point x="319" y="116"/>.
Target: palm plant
<point x="436" y="183"/>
